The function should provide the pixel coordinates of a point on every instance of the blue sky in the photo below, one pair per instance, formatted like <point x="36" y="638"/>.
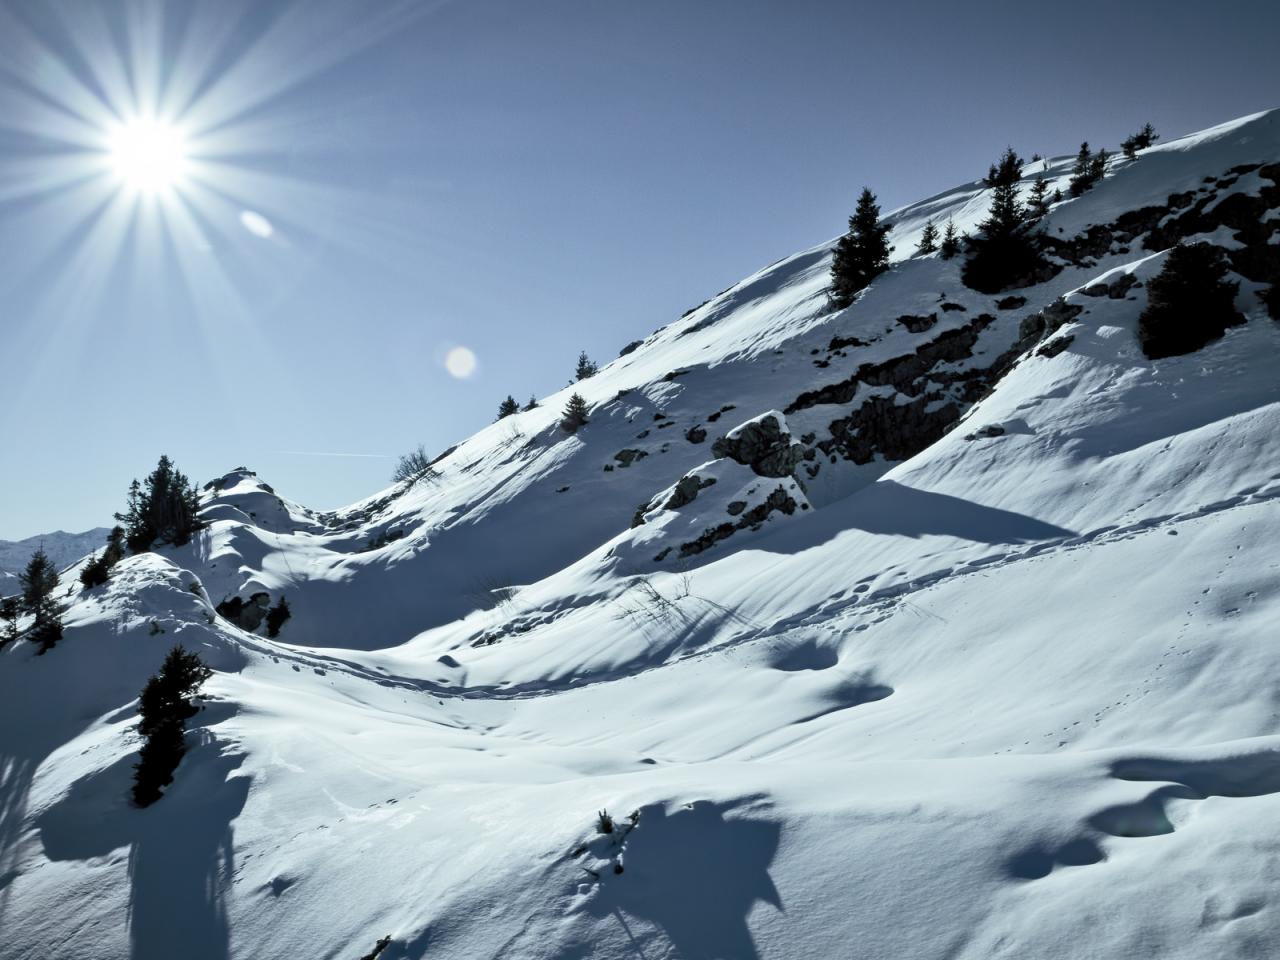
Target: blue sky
<point x="526" y="180"/>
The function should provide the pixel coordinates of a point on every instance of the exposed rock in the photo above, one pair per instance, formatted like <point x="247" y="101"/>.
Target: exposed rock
<point x="1056" y="346"/>
<point x="1119" y="287"/>
<point x="917" y="324"/>
<point x="1095" y="290"/>
<point x="696" y="434"/>
<point x="839" y="343"/>
<point x="778" y="499"/>
<point x="763" y="444"/>
<point x="245" y="614"/>
<point x="629" y="456"/>
<point x="630" y="347"/>
<point x="686" y="491"/>
<point x="990" y="430"/>
<point x="725" y="409"/>
<point x="735" y="507"/>
<point x="1011" y="303"/>
<point x="948" y="307"/>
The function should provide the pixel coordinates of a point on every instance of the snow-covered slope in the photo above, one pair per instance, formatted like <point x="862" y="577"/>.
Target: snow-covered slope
<point x="943" y="626"/>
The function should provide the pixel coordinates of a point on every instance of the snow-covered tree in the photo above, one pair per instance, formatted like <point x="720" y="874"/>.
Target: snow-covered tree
<point x="860" y="255"/>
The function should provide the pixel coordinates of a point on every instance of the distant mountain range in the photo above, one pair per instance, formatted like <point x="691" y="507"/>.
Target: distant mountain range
<point x="63" y="548"/>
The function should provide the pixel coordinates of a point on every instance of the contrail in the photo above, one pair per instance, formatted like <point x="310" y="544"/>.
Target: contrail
<point x="315" y="453"/>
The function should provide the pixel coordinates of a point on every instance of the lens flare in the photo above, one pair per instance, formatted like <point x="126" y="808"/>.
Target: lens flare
<point x="460" y="362"/>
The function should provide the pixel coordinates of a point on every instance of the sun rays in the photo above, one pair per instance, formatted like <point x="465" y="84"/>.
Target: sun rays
<point x="160" y="134"/>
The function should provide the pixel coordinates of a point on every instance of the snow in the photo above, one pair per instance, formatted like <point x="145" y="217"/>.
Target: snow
<point x="1010" y="696"/>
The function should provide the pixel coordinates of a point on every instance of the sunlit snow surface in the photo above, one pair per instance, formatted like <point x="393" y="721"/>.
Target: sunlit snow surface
<point x="1014" y="697"/>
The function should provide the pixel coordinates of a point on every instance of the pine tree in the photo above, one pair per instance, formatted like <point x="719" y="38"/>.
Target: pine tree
<point x="1189" y="302"/>
<point x="950" y="241"/>
<point x="1097" y="166"/>
<point x="928" y="238"/>
<point x="164" y="511"/>
<point x="38" y="581"/>
<point x="1006" y="253"/>
<point x="586" y="367"/>
<point x="97" y="570"/>
<point x="860" y="255"/>
<point x="1080" y="172"/>
<point x="1139" y="141"/>
<point x="575" y="414"/>
<point x="1006" y="213"/>
<point x="532" y="404"/>
<point x="164" y="706"/>
<point x="1037" y="204"/>
<point x="507" y="407"/>
<point x="10" y="611"/>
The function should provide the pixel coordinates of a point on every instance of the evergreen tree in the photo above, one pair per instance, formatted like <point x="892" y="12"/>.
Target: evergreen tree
<point x="1081" y="172"/>
<point x="1189" y="302"/>
<point x="1037" y="203"/>
<point x="1097" y="166"/>
<point x="860" y="255"/>
<point x="950" y="241"/>
<point x="586" y="367"/>
<point x="1139" y="141"/>
<point x="532" y="404"/>
<point x="164" y="511"/>
<point x="38" y="581"/>
<point x="575" y="414"/>
<point x="96" y="571"/>
<point x="507" y="407"/>
<point x="10" y="611"/>
<point x="164" y="706"/>
<point x="928" y="239"/>
<point x="1006" y="252"/>
<point x="1006" y="213"/>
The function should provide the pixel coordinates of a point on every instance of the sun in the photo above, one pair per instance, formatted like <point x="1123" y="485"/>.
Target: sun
<point x="148" y="155"/>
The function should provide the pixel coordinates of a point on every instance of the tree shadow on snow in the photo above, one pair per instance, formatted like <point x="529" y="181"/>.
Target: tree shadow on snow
<point x="180" y="858"/>
<point x="694" y="876"/>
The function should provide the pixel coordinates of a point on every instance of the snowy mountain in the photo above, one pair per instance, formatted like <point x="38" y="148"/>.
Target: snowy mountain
<point x="62" y="549"/>
<point x="941" y="626"/>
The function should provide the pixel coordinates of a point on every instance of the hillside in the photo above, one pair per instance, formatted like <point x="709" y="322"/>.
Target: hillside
<point x="941" y="626"/>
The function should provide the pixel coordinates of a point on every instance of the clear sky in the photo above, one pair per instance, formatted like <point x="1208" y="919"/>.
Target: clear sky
<point x="355" y="189"/>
